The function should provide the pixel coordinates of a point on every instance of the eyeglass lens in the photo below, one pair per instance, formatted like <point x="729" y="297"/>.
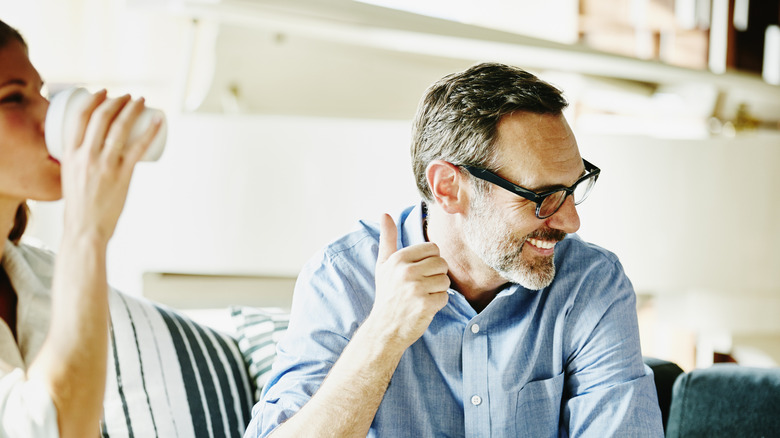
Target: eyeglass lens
<point x="553" y="201"/>
<point x="583" y="189"/>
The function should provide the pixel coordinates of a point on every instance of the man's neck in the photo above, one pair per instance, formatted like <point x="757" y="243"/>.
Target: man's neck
<point x="468" y="274"/>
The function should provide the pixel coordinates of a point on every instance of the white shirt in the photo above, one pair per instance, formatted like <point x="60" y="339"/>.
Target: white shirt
<point x="26" y="407"/>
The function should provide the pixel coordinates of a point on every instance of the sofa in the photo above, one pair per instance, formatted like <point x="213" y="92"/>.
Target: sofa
<point x="724" y="400"/>
<point x="170" y="376"/>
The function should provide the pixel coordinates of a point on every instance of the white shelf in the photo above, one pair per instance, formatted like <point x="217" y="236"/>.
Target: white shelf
<point x="359" y="24"/>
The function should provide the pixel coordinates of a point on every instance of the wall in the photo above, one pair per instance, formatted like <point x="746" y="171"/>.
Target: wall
<point x="255" y="194"/>
<point x="689" y="214"/>
<point x="259" y="194"/>
<point x="694" y="222"/>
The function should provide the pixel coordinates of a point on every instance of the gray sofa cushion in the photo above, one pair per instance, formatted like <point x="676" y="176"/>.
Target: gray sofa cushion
<point x="726" y="401"/>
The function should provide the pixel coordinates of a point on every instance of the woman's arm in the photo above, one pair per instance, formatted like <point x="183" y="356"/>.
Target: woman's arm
<point x="96" y="169"/>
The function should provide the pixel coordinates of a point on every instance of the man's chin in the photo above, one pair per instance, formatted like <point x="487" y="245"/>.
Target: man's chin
<point x="536" y="278"/>
<point x="531" y="283"/>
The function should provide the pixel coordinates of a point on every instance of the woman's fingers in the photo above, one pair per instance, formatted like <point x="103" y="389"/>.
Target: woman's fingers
<point x="117" y="138"/>
<point x="99" y="123"/>
<point x="105" y="129"/>
<point x="79" y="133"/>
<point x="137" y="147"/>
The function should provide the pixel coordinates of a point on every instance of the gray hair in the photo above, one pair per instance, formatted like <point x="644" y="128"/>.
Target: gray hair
<point x="457" y="117"/>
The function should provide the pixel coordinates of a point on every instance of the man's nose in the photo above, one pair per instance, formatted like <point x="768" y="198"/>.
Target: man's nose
<point x="566" y="218"/>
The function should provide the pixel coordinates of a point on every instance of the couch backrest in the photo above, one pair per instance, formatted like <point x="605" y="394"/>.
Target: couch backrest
<point x="664" y="373"/>
<point x="726" y="400"/>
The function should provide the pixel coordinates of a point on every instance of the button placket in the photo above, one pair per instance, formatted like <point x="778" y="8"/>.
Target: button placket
<point x="475" y="379"/>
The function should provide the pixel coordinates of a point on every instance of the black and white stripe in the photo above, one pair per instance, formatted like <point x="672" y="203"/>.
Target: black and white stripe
<point x="171" y="377"/>
<point x="258" y="331"/>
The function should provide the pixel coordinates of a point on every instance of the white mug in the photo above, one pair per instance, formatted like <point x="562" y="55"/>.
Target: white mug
<point x="61" y="121"/>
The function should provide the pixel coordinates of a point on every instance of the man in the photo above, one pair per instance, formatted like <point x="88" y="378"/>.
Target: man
<point x="479" y="314"/>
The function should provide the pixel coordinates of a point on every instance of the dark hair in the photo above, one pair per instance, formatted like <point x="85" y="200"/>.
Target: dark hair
<point x="8" y="34"/>
<point x="20" y="223"/>
<point x="457" y="117"/>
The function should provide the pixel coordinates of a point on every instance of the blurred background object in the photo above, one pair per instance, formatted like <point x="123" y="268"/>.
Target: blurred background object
<point x="290" y="119"/>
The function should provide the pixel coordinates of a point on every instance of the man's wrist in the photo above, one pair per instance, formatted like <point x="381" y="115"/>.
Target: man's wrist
<point x="375" y="347"/>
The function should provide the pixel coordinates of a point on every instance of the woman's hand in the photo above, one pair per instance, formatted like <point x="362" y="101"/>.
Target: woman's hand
<point x="96" y="168"/>
<point x="98" y="163"/>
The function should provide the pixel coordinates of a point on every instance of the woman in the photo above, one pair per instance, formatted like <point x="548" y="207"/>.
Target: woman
<point x="54" y="313"/>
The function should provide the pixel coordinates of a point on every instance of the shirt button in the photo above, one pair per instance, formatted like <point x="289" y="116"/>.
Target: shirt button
<point x="476" y="400"/>
<point x="475" y="328"/>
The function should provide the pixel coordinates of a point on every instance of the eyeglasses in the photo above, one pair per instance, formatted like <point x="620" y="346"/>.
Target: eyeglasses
<point x="547" y="203"/>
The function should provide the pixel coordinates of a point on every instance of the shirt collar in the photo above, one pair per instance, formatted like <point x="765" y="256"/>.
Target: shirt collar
<point x="412" y="226"/>
<point x="30" y="273"/>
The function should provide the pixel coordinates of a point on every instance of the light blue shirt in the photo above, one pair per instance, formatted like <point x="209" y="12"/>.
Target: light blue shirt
<point x="561" y="361"/>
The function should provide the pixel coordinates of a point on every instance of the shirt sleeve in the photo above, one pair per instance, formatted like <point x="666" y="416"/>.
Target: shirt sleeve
<point x="26" y="408"/>
<point x="333" y="295"/>
<point x="608" y="390"/>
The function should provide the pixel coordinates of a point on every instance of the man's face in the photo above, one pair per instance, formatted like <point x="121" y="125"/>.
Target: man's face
<point x="494" y="236"/>
<point x="538" y="152"/>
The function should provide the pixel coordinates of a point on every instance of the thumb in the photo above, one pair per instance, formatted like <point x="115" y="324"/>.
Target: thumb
<point x="388" y="236"/>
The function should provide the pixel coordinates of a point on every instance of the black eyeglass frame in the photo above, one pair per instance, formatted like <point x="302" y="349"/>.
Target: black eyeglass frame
<point x="591" y="171"/>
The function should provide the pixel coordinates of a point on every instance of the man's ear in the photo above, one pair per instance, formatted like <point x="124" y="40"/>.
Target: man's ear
<point x="447" y="186"/>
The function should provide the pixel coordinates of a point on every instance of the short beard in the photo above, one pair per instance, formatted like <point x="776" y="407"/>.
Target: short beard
<point x="493" y="242"/>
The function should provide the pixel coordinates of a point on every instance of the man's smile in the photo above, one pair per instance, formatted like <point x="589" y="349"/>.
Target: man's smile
<point x="542" y="244"/>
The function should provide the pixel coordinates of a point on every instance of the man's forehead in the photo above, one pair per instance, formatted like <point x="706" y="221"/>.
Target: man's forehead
<point x="537" y="150"/>
<point x="534" y="126"/>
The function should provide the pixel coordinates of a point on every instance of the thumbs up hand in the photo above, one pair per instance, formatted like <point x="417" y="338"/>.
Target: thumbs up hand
<point x="411" y="286"/>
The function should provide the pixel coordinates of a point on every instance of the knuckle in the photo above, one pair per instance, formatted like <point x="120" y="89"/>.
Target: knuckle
<point x="396" y="257"/>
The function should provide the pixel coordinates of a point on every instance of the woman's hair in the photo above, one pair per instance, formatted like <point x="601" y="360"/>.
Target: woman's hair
<point x="20" y="223"/>
<point x="8" y="34"/>
<point x="457" y="118"/>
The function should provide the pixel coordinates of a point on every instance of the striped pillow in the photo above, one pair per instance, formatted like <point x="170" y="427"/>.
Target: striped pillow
<point x="258" y="330"/>
<point x="170" y="377"/>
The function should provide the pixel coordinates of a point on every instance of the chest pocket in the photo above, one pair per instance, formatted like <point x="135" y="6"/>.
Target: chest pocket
<point x="539" y="408"/>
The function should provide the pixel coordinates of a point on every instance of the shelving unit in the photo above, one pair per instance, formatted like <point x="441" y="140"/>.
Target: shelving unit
<point x="359" y="25"/>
